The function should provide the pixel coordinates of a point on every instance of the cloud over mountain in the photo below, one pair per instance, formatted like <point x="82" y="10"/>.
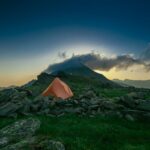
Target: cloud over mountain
<point x="97" y="62"/>
<point x="146" y="54"/>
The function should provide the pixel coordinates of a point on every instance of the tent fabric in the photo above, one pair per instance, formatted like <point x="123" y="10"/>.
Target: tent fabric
<point x="58" y="89"/>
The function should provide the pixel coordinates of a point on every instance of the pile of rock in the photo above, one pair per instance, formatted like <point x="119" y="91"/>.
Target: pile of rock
<point x="21" y="135"/>
<point x="13" y="101"/>
<point x="135" y="106"/>
<point x="132" y="105"/>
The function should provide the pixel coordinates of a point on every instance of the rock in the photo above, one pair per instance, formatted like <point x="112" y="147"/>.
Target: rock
<point x="44" y="111"/>
<point x="52" y="104"/>
<point x="136" y="95"/>
<point x="87" y="94"/>
<point x="22" y="145"/>
<point x="28" y="92"/>
<point x="94" y="107"/>
<point x="56" y="111"/>
<point x="9" y="108"/>
<point x="7" y="94"/>
<point x="51" y="115"/>
<point x="133" y="95"/>
<point x="132" y="100"/>
<point x="35" y="143"/>
<point x="118" y="114"/>
<point x="93" y="112"/>
<point x="20" y="130"/>
<point x="60" y="115"/>
<point x="137" y="114"/>
<point x="3" y="141"/>
<point x="128" y="101"/>
<point x="35" y="107"/>
<point x="68" y="105"/>
<point x="145" y="105"/>
<point x="109" y="113"/>
<point x="26" y="106"/>
<point x="19" y="136"/>
<point x="108" y="105"/>
<point x="50" y="145"/>
<point x="76" y="102"/>
<point x="129" y="117"/>
<point x="99" y="110"/>
<point x="61" y="102"/>
<point x="90" y="94"/>
<point x="45" y="104"/>
<point x="41" y="105"/>
<point x="14" y="101"/>
<point x="74" y="110"/>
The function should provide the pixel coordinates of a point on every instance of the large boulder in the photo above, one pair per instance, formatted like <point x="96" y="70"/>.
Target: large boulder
<point x="20" y="106"/>
<point x="21" y="145"/>
<point x="9" y="109"/>
<point x="18" y="131"/>
<point x="128" y="101"/>
<point x="7" y="94"/>
<point x="14" y="101"/>
<point x="40" y="103"/>
<point x="21" y="136"/>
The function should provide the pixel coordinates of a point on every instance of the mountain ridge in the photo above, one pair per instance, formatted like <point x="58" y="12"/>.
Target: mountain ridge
<point x="134" y="83"/>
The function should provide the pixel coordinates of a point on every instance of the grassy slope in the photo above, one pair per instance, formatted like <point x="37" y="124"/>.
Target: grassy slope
<point x="94" y="133"/>
<point x="78" y="84"/>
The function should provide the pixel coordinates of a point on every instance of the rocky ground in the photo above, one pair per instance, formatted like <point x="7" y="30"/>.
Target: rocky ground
<point x="16" y="101"/>
<point x="21" y="136"/>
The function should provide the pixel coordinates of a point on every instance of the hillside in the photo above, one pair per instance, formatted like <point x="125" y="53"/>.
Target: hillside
<point x="77" y="77"/>
<point x="77" y="83"/>
<point x="135" y="83"/>
<point x="114" y="114"/>
<point x="76" y="68"/>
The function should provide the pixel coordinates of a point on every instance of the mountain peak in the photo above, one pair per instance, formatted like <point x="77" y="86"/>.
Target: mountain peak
<point x="77" y="68"/>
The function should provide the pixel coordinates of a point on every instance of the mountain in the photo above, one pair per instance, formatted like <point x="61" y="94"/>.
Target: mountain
<point x="75" y="74"/>
<point x="76" y="68"/>
<point x="135" y="83"/>
<point x="28" y="84"/>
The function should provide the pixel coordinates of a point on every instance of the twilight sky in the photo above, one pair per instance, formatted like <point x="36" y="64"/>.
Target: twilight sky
<point x="34" y="33"/>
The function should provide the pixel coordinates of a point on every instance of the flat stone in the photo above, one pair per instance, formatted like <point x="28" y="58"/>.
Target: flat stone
<point x="129" y="117"/>
<point x="20" y="130"/>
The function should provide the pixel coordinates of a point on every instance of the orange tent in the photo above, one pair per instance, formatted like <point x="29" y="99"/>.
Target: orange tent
<point x="58" y="89"/>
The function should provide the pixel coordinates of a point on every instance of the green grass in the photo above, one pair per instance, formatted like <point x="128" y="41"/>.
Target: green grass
<point x="111" y="93"/>
<point x="94" y="133"/>
<point x="78" y="84"/>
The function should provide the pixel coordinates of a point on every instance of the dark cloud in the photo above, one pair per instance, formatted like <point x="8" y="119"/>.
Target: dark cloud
<point x="146" y="54"/>
<point x="97" y="62"/>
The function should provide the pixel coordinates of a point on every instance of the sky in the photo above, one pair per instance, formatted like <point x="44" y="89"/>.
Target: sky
<point x="33" y="34"/>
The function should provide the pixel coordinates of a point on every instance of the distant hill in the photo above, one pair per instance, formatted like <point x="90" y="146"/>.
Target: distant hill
<point x="1" y="88"/>
<point x="12" y="86"/>
<point x="135" y="83"/>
